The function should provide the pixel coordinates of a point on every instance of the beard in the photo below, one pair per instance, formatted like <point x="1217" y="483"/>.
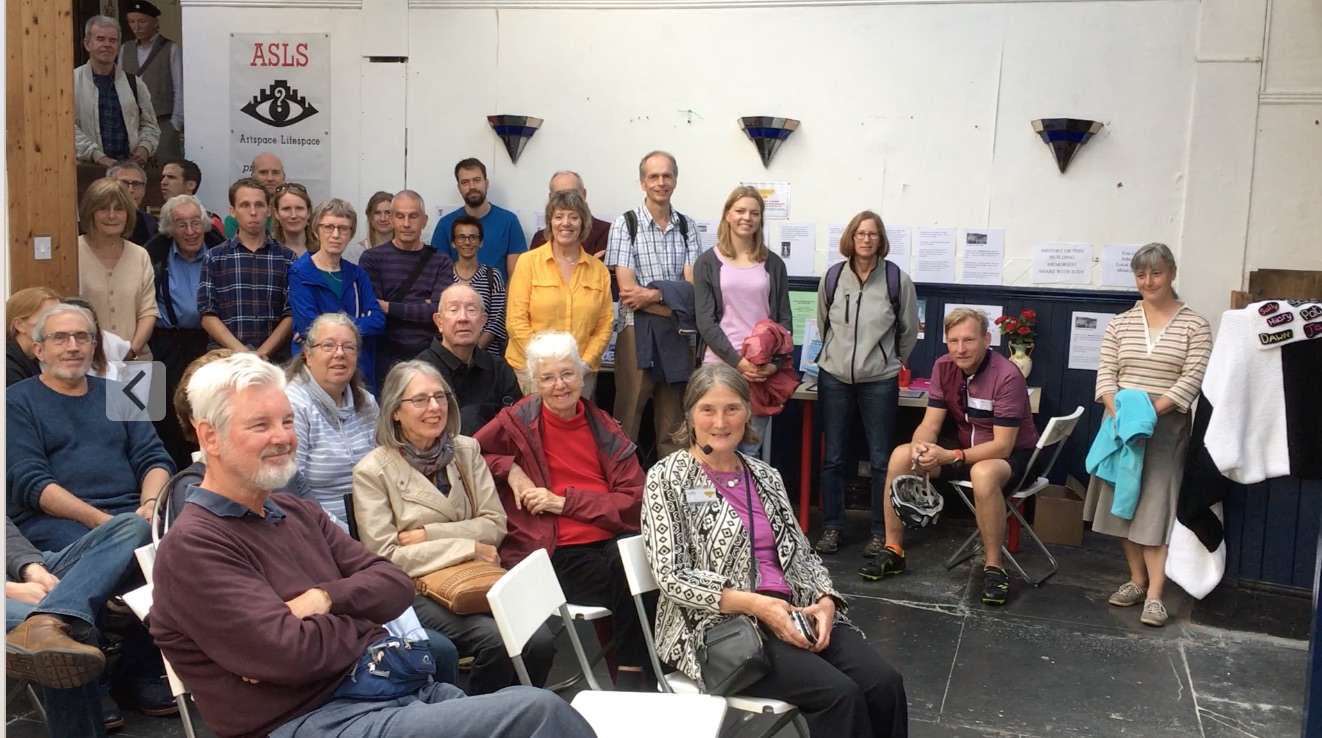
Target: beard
<point x="475" y="199"/>
<point x="264" y="476"/>
<point x="56" y="369"/>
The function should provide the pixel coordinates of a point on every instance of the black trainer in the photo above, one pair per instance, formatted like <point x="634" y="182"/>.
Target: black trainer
<point x="995" y="585"/>
<point x="829" y="543"/>
<point x="888" y="563"/>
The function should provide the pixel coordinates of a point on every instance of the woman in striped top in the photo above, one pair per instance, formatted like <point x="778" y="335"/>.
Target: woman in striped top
<point x="1161" y="347"/>
<point x="334" y="416"/>
<point x="466" y="237"/>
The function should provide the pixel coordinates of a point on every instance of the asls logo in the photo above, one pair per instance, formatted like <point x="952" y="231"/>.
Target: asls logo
<point x="275" y="105"/>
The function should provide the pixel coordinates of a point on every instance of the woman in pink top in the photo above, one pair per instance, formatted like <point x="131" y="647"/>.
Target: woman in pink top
<point x="735" y="285"/>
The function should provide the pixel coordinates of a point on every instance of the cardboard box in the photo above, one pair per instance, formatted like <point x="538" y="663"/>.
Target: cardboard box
<point x="1059" y="514"/>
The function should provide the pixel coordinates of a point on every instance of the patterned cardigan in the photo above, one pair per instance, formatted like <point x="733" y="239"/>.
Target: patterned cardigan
<point x="698" y="550"/>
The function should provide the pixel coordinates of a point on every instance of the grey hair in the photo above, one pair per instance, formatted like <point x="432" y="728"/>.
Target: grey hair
<point x="212" y="388"/>
<point x="167" y="213"/>
<point x="388" y="432"/>
<point x="334" y="206"/>
<point x="705" y="379"/>
<point x="39" y="327"/>
<point x="124" y="164"/>
<point x="99" y="21"/>
<point x="1154" y="255"/>
<point x="642" y="163"/>
<point x="551" y="346"/>
<point x="574" y="202"/>
<point x="577" y="178"/>
<point x="411" y="194"/>
<point x="296" y="366"/>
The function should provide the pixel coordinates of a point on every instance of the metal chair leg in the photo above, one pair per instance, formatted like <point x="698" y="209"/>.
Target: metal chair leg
<point x="964" y="552"/>
<point x="1025" y="527"/>
<point x="185" y="715"/>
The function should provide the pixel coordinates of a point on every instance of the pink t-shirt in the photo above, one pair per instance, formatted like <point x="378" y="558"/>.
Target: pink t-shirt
<point x="771" y="576"/>
<point x="745" y="298"/>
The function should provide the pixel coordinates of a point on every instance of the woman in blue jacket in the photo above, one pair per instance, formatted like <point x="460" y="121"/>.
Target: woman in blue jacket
<point x="324" y="282"/>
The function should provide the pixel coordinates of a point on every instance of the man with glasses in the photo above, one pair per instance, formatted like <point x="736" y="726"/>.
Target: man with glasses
<point x="243" y="292"/>
<point x="503" y="240"/>
<point x="483" y="383"/>
<point x="268" y="171"/>
<point x="134" y="177"/>
<point x="407" y="279"/>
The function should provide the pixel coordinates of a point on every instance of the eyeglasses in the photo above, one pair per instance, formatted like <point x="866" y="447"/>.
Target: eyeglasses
<point x="188" y="225"/>
<point x="867" y="236"/>
<point x="133" y="185"/>
<point x="568" y="377"/>
<point x="343" y="230"/>
<point x="422" y="401"/>
<point x="328" y="347"/>
<point x="291" y="186"/>
<point x="471" y="311"/>
<point x="82" y="338"/>
<point x="464" y="238"/>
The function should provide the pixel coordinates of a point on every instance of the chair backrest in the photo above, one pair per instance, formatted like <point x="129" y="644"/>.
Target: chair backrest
<point x="350" y="519"/>
<point x="636" y="568"/>
<point x="146" y="556"/>
<point x="1053" y="437"/>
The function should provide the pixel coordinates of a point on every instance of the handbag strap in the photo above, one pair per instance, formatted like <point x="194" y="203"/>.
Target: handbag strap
<point x="468" y="486"/>
<point x="402" y="289"/>
<point x="752" y="532"/>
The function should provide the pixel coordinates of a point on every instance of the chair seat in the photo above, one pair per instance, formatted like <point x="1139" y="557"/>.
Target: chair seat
<point x="684" y="685"/>
<point x="588" y="612"/>
<point x="648" y="715"/>
<point x="1022" y="494"/>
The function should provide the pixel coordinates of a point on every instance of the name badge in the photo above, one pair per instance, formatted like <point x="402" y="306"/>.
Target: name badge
<point x="699" y="496"/>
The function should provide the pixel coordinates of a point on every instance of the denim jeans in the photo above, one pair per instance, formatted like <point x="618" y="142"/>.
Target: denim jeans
<point x="759" y="425"/>
<point x="879" y="403"/>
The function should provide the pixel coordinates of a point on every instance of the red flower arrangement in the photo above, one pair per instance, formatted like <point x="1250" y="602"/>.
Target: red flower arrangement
<point x="1022" y="328"/>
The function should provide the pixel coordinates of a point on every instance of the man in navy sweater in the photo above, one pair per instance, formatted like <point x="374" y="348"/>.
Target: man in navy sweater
<point x="292" y="602"/>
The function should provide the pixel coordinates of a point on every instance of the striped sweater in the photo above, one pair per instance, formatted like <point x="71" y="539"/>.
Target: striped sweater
<point x="1169" y="363"/>
<point x="331" y="439"/>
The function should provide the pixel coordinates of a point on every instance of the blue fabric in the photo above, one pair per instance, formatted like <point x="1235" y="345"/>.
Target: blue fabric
<point x="658" y="342"/>
<point x="1116" y="456"/>
<point x="878" y="403"/>
<point x="110" y="115"/>
<point x="502" y="236"/>
<point x="184" y="276"/>
<point x="310" y="297"/>
<point x="227" y="508"/>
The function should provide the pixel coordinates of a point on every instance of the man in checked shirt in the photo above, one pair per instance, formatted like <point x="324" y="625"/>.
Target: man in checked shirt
<point x="243" y="293"/>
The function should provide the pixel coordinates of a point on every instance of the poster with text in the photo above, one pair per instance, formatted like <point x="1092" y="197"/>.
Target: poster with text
<point x="1086" y="333"/>
<point x="1062" y="263"/>
<point x="280" y="95"/>
<point x="775" y="197"/>
<point x="984" y="256"/>
<point x="797" y="246"/>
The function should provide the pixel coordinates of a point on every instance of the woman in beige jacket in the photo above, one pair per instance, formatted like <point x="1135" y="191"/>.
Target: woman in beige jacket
<point x="424" y="499"/>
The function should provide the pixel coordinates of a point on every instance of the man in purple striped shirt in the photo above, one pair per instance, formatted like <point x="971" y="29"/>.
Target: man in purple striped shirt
<point x="408" y="279"/>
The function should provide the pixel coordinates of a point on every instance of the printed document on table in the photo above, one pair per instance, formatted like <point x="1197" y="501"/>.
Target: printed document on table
<point x="984" y="256"/>
<point x="935" y="260"/>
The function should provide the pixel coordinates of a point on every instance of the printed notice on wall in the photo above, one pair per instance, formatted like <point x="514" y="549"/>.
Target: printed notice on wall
<point x="707" y="231"/>
<point x="936" y="255"/>
<point x="1062" y="263"/>
<point x="797" y="246"/>
<point x="280" y="101"/>
<point x="922" y="318"/>
<point x="991" y="311"/>
<point x="803" y="307"/>
<point x="1086" y="333"/>
<point x="984" y="255"/>
<point x="898" y="238"/>
<point x="834" y="232"/>
<point x="1115" y="265"/>
<point x="776" y="196"/>
<point x="812" y="347"/>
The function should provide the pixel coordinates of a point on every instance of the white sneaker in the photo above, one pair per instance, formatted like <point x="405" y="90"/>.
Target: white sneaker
<point x="1128" y="595"/>
<point x="1154" y="614"/>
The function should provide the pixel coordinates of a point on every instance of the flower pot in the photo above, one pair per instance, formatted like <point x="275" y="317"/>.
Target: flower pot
<point x="1021" y="355"/>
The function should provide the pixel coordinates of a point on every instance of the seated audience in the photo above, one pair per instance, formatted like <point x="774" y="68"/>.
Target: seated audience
<point x="22" y="309"/>
<point x="292" y="209"/>
<point x="291" y="602"/>
<point x="503" y="241"/>
<point x="570" y="482"/>
<point x="131" y="174"/>
<point x="595" y="242"/>
<point x="114" y="274"/>
<point x="51" y="605"/>
<point x="380" y="226"/>
<point x="183" y="177"/>
<point x="466" y="239"/>
<point x="323" y="282"/>
<point x="483" y="384"/>
<point x="425" y="500"/>
<point x="1169" y="369"/>
<point x="558" y="287"/>
<point x="987" y="397"/>
<point x="700" y="554"/>
<point x="108" y="350"/>
<point x="269" y="173"/>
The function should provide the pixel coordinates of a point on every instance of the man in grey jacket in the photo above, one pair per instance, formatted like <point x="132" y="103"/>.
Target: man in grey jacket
<point x="113" y="115"/>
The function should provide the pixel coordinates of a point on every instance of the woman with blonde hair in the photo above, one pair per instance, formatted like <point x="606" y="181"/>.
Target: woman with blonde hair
<point x="291" y="211"/>
<point x="22" y="309"/>
<point x="380" y="226"/>
<point x="114" y="274"/>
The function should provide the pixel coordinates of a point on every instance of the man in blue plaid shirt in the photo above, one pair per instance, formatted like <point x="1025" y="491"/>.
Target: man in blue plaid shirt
<point x="243" y="293"/>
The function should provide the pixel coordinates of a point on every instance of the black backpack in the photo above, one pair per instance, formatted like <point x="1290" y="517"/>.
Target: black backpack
<point x="631" y="223"/>
<point x="832" y="280"/>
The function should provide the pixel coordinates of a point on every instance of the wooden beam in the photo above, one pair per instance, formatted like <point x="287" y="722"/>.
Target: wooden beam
<point x="43" y="188"/>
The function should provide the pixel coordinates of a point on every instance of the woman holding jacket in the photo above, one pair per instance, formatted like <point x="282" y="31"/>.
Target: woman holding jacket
<point x="868" y="318"/>
<point x="735" y="285"/>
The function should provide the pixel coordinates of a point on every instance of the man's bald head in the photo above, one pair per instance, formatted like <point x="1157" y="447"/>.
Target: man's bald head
<point x="269" y="170"/>
<point x="460" y="317"/>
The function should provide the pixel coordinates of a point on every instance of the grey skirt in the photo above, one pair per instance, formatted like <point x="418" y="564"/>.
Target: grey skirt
<point x="1163" y="472"/>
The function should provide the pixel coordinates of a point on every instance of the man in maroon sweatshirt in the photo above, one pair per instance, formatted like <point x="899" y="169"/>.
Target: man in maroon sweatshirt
<point x="263" y="605"/>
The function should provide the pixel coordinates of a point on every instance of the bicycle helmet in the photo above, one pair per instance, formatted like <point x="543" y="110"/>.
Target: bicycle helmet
<point x="916" y="501"/>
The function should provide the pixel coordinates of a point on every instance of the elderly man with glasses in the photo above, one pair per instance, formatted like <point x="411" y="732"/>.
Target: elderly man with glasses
<point x="134" y="177"/>
<point x="483" y="383"/>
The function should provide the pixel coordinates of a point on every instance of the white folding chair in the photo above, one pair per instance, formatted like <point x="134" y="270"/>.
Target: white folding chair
<point x="651" y="714"/>
<point x="1058" y="430"/>
<point x="642" y="581"/>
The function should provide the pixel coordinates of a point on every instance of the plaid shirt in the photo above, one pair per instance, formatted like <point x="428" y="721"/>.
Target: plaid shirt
<point x="655" y="254"/>
<point x="248" y="291"/>
<point x="114" y="133"/>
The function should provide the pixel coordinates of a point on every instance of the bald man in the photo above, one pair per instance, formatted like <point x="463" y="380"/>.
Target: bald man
<point x="483" y="383"/>
<point x="596" y="240"/>
<point x="267" y="169"/>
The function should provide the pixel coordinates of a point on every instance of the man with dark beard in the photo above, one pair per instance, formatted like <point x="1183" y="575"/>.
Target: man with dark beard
<point x="503" y="239"/>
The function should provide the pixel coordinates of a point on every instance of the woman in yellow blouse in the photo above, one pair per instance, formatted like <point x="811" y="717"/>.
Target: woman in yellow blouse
<point x="559" y="287"/>
<point x="115" y="275"/>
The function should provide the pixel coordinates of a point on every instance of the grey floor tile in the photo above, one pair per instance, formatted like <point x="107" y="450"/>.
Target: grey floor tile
<point x="920" y="643"/>
<point x="1247" y="685"/>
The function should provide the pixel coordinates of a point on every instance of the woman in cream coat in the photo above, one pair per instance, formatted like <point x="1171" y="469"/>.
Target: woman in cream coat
<point x="425" y="500"/>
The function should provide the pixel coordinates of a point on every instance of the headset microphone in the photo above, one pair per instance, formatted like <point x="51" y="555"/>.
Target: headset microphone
<point x="705" y="449"/>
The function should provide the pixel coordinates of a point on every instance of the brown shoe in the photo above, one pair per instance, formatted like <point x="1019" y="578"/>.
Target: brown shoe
<point x="40" y="650"/>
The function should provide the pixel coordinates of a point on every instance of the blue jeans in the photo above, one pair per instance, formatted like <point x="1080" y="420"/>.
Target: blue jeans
<point x="879" y="404"/>
<point x="50" y="533"/>
<point x="759" y="425"/>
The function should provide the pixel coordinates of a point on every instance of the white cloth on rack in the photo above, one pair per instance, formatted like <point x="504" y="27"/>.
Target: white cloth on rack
<point x="1246" y="436"/>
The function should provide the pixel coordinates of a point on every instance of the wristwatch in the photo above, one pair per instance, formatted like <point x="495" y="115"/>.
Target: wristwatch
<point x="958" y="463"/>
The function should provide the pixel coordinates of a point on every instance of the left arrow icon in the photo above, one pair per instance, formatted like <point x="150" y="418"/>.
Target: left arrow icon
<point x="128" y="390"/>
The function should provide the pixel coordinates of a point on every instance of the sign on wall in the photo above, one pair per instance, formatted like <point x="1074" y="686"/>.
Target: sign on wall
<point x="280" y="94"/>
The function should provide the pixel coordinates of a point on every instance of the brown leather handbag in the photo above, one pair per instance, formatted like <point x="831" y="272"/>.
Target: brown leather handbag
<point x="462" y="588"/>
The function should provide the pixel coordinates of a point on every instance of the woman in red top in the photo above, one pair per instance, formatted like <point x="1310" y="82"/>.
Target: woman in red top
<point x="570" y="482"/>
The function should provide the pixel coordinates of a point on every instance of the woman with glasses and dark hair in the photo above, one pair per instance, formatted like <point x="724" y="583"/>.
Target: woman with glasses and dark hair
<point x="290" y="209"/>
<point x="323" y="282"/>
<point x="425" y="500"/>
<point x="115" y="274"/>
<point x="466" y="240"/>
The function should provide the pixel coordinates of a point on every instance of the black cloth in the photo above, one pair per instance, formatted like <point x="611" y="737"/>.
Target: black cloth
<point x="848" y="689"/>
<point x="593" y="575"/>
<point x="1203" y="485"/>
<point x="1303" y="406"/>
<point x="479" y="637"/>
<point x="482" y="388"/>
<point x="145" y="226"/>
<point x="17" y="364"/>
<point x="662" y="341"/>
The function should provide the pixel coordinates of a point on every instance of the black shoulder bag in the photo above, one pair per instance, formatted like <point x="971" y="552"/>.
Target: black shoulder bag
<point x="402" y="290"/>
<point x="732" y="656"/>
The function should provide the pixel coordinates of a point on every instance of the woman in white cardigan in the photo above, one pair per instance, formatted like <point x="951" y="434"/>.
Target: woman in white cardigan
<point x="425" y="500"/>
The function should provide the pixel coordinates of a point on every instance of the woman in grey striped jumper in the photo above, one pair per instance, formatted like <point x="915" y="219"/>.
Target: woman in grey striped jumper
<point x="334" y="416"/>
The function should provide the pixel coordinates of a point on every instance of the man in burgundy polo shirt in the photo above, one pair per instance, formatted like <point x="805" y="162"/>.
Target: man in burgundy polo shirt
<point x="596" y="240"/>
<point x="988" y="399"/>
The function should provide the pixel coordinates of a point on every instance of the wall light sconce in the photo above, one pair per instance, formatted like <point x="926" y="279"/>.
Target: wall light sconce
<point x="1065" y="136"/>
<point x="767" y="133"/>
<point x="514" y="130"/>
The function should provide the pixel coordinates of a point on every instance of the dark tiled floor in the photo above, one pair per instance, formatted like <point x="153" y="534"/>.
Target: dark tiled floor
<point x="1056" y="661"/>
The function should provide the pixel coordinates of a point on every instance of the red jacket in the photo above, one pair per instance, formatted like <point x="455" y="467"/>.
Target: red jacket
<point x="514" y="436"/>
<point x="770" y="342"/>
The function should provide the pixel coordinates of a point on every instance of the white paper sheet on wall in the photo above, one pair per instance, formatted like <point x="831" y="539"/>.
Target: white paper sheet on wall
<point x="797" y="245"/>
<point x="984" y="256"/>
<point x="1115" y="265"/>
<point x="1086" y="333"/>
<point x="707" y="229"/>
<point x="1062" y="263"/>
<point x="935" y="258"/>
<point x="899" y="239"/>
<point x="776" y="196"/>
